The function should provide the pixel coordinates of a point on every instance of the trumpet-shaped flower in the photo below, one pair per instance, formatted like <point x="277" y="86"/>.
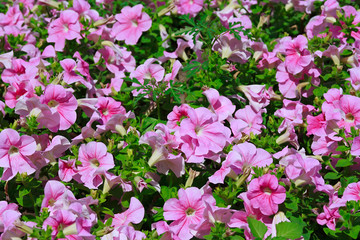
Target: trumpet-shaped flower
<point x="95" y="161"/>
<point x="266" y="194"/>
<point x="66" y="27"/>
<point x="131" y="23"/>
<point x="14" y="153"/>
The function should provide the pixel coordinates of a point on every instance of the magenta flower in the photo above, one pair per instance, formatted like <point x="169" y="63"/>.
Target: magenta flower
<point x="328" y="217"/>
<point x="108" y="107"/>
<point x="191" y="7"/>
<point x="14" y="153"/>
<point x="131" y="23"/>
<point x="66" y="27"/>
<point x="266" y="194"/>
<point x="186" y="210"/>
<point x="95" y="162"/>
<point x="62" y="102"/>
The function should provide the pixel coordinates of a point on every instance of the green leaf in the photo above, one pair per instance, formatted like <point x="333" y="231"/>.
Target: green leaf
<point x="344" y="163"/>
<point x="342" y="148"/>
<point x="288" y="230"/>
<point x="258" y="229"/>
<point x="332" y="175"/>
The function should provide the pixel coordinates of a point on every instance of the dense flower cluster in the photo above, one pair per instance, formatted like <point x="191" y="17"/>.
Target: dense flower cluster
<point x="179" y="119"/>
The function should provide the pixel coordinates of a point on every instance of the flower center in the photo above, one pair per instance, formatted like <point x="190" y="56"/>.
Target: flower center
<point x="94" y="163"/>
<point x="53" y="103"/>
<point x="349" y="117"/>
<point x="198" y="130"/>
<point x="13" y="150"/>
<point x="267" y="191"/>
<point x="51" y="202"/>
<point x="190" y="212"/>
<point x="66" y="28"/>
<point x="105" y="112"/>
<point x="134" y="23"/>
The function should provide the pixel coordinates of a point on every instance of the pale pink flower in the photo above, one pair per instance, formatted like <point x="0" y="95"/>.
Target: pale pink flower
<point x="14" y="153"/>
<point x="297" y="55"/>
<point x="266" y="194"/>
<point x="62" y="102"/>
<point x="247" y="121"/>
<point x="134" y="214"/>
<point x="352" y="192"/>
<point x="57" y="196"/>
<point x="66" y="27"/>
<point x="131" y="23"/>
<point x="117" y="59"/>
<point x="202" y="134"/>
<point x="221" y="105"/>
<point x="355" y="78"/>
<point x="95" y="161"/>
<point x="4" y="206"/>
<point x="350" y="112"/>
<point x="70" y="76"/>
<point x="186" y="210"/>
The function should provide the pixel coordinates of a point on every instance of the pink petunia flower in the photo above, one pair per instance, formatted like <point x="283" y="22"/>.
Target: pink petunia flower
<point x="328" y="217"/>
<point x="131" y="23"/>
<point x="202" y="134"/>
<point x="95" y="161"/>
<point x="14" y="153"/>
<point x="266" y="194"/>
<point x="352" y="192"/>
<point x="61" y="101"/>
<point x="108" y="107"/>
<point x="191" y="7"/>
<point x="186" y="210"/>
<point x="66" y="27"/>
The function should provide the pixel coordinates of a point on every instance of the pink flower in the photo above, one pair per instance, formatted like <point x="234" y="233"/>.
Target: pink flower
<point x="297" y="55"/>
<point x="66" y="27"/>
<point x="108" y="107"/>
<point x="221" y="105"/>
<point x="95" y="161"/>
<point x="247" y="121"/>
<point x="56" y="195"/>
<point x="14" y="153"/>
<point x="266" y="194"/>
<point x="355" y="78"/>
<point x="67" y="170"/>
<point x="352" y="192"/>
<point x="191" y="7"/>
<point x="134" y="214"/>
<point x="328" y="217"/>
<point x="350" y="112"/>
<point x="176" y="116"/>
<point x="62" y="102"/>
<point x="70" y="76"/>
<point x="186" y="210"/>
<point x="202" y="134"/>
<point x="131" y="23"/>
